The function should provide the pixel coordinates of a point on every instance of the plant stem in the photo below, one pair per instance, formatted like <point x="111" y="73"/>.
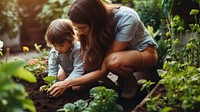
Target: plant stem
<point x="7" y="54"/>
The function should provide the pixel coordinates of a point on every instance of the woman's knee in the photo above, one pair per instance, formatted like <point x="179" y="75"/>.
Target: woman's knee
<point x="113" y="61"/>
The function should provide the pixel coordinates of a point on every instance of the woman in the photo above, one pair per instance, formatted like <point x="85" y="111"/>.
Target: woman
<point x="113" y="39"/>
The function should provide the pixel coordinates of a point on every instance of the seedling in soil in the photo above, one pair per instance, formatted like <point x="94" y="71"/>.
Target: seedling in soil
<point x="146" y="84"/>
<point x="50" y="80"/>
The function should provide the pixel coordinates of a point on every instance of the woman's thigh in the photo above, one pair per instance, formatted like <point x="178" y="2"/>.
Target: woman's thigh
<point x="137" y="60"/>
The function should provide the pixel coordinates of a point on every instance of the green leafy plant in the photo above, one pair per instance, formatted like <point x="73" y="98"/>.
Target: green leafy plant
<point x="172" y="8"/>
<point x="146" y="84"/>
<point x="13" y="95"/>
<point x="181" y="73"/>
<point x="38" y="64"/>
<point x="103" y="100"/>
<point x="50" y="80"/>
<point x="77" y="106"/>
<point x="183" y="93"/>
<point x="43" y="53"/>
<point x="185" y="48"/>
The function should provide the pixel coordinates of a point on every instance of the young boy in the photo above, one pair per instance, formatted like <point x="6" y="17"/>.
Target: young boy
<point x="65" y="58"/>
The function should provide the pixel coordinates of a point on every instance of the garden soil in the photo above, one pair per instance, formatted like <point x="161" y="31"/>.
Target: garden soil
<point x="43" y="103"/>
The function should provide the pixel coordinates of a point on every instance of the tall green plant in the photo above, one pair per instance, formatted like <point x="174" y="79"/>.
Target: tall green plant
<point x="189" y="50"/>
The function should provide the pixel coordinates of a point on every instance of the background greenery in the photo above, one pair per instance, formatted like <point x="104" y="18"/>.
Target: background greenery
<point x="9" y="17"/>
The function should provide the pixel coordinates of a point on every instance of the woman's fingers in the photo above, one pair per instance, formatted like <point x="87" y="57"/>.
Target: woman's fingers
<point x="53" y="91"/>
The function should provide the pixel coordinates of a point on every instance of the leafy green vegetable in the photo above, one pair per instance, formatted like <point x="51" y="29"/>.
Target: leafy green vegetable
<point x="50" y="80"/>
<point x="104" y="100"/>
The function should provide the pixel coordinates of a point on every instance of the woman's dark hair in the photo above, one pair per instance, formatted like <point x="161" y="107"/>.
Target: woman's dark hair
<point x="95" y="14"/>
<point x="60" y="31"/>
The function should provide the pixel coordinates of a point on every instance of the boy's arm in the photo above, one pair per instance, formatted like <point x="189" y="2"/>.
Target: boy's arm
<point x="77" y="66"/>
<point x="53" y="65"/>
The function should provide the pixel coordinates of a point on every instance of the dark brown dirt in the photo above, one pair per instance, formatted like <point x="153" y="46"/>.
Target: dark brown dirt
<point x="43" y="103"/>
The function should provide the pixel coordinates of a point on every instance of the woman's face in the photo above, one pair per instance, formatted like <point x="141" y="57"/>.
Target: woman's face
<point x="83" y="29"/>
<point x="62" y="48"/>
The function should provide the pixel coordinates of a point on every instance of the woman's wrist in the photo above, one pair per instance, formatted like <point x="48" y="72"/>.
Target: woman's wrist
<point x="68" y="83"/>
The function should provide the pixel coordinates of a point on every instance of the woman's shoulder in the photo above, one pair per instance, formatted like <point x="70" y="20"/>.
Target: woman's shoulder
<point x="123" y="10"/>
<point x="125" y="14"/>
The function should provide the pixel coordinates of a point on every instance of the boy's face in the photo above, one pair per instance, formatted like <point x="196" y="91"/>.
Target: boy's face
<point x="62" y="48"/>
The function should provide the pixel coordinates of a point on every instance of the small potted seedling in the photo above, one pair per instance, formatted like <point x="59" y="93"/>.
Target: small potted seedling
<point x="50" y="80"/>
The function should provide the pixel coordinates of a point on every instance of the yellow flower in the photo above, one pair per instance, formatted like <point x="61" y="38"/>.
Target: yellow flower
<point x="25" y="49"/>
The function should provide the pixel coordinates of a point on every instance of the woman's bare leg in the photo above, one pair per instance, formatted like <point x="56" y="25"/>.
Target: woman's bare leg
<point x="121" y="64"/>
<point x="126" y="63"/>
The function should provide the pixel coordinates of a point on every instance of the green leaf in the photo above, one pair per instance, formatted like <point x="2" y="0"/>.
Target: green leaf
<point x="166" y="109"/>
<point x="11" y="67"/>
<point x="49" y="79"/>
<point x="194" y="12"/>
<point x="70" y="107"/>
<point x="81" y="104"/>
<point x="119" y="108"/>
<point x="26" y="75"/>
<point x="29" y="105"/>
<point x="198" y="98"/>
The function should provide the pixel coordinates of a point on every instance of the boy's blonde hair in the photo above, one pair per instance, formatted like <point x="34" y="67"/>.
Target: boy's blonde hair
<point x="60" y="31"/>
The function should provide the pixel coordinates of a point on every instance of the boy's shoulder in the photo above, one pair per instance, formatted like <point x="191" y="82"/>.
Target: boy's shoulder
<point x="53" y="51"/>
<point x="77" y="45"/>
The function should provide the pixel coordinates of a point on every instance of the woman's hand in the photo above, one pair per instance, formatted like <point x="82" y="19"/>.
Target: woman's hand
<point x="57" y="89"/>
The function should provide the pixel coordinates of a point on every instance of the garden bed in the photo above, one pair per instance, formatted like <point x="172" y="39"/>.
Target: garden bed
<point x="43" y="103"/>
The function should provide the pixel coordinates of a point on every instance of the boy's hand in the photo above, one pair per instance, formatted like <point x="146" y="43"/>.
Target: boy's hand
<point x="44" y="88"/>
